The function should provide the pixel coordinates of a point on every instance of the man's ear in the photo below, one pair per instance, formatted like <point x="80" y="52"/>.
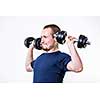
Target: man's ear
<point x="54" y="36"/>
<point x="55" y="39"/>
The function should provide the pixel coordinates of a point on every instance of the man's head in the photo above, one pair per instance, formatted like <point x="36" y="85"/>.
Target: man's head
<point x="48" y="41"/>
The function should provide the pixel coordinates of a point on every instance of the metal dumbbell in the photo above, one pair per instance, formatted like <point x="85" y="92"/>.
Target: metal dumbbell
<point x="36" y="42"/>
<point x="82" y="41"/>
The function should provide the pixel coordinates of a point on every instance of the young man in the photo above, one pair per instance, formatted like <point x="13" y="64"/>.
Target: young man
<point x="50" y="67"/>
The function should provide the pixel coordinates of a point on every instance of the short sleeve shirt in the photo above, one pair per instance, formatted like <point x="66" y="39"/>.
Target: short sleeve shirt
<point x="50" y="67"/>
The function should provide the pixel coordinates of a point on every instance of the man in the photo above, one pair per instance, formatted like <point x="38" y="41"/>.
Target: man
<point x="50" y="67"/>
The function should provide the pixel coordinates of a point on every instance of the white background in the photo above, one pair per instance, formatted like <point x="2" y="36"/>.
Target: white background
<point x="76" y="91"/>
<point x="14" y="30"/>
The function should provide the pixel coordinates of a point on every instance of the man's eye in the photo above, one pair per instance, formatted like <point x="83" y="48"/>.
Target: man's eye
<point x="45" y="36"/>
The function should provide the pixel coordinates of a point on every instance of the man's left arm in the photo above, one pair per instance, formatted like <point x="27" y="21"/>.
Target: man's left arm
<point x="75" y="64"/>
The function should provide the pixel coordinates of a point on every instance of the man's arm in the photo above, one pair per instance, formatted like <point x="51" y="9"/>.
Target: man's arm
<point x="29" y="59"/>
<point x="75" y="64"/>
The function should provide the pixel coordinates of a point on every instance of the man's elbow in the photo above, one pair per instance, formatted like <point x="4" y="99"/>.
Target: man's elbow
<point x="28" y="68"/>
<point x="79" y="69"/>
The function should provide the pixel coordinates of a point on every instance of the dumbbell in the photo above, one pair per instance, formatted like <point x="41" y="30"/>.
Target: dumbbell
<point x="82" y="41"/>
<point x="36" y="42"/>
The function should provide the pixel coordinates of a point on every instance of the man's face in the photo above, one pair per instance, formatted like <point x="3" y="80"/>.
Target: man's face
<point x="47" y="40"/>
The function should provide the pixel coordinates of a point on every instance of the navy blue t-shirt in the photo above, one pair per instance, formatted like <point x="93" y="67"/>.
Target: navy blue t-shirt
<point x="50" y="67"/>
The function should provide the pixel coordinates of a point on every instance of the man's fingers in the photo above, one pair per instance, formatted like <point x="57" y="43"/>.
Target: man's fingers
<point x="71" y="38"/>
<point x="32" y="45"/>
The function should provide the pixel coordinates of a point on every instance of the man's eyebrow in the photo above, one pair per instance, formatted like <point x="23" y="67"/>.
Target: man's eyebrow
<point x="43" y="36"/>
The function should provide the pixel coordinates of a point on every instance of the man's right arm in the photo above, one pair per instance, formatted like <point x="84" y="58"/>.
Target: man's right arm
<point x="29" y="59"/>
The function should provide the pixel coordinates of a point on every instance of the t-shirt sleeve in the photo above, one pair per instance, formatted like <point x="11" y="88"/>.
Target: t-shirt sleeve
<point x="32" y="64"/>
<point x="66" y="60"/>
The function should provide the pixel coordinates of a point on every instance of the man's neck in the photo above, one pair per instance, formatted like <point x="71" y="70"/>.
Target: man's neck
<point x="53" y="50"/>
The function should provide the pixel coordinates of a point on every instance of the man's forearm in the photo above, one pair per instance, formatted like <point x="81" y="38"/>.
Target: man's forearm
<point x="75" y="57"/>
<point x="29" y="57"/>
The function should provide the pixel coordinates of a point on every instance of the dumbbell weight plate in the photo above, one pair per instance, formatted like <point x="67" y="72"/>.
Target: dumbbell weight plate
<point x="60" y="37"/>
<point x="28" y="41"/>
<point x="82" y="41"/>
<point x="37" y="44"/>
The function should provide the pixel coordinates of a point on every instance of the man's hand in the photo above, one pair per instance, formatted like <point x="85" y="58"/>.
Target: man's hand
<point x="31" y="46"/>
<point x="70" y="40"/>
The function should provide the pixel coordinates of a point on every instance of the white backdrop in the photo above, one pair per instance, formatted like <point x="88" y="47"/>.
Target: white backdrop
<point x="13" y="31"/>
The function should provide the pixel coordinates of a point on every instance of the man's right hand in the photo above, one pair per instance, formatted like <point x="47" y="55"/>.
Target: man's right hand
<point x="31" y="46"/>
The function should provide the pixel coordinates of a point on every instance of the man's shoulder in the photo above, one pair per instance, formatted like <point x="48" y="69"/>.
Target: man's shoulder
<point x="63" y="53"/>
